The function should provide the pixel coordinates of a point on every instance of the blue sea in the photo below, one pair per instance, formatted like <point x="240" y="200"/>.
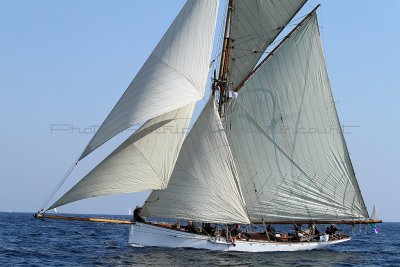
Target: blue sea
<point x="25" y="241"/>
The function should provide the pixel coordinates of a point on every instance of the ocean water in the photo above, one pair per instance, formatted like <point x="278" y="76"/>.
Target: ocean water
<point x="30" y="242"/>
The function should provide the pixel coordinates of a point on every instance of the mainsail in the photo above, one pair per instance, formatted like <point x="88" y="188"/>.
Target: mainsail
<point x="286" y="139"/>
<point x="174" y="75"/>
<point x="254" y="25"/>
<point x="203" y="186"/>
<point x="143" y="162"/>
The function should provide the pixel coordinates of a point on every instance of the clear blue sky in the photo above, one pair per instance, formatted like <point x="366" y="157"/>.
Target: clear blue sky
<point x="68" y="62"/>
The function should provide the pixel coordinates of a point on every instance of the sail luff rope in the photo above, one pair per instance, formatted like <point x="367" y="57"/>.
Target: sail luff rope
<point x="60" y="183"/>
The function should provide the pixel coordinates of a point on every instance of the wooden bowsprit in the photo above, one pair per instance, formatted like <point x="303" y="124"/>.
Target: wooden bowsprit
<point x="85" y="219"/>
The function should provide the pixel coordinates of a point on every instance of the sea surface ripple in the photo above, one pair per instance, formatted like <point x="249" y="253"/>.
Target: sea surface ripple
<point x="30" y="242"/>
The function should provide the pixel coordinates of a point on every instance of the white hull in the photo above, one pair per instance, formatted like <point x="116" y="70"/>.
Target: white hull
<point x="142" y="235"/>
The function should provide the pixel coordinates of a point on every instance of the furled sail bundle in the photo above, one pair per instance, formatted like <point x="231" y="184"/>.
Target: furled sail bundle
<point x="203" y="186"/>
<point x="143" y="162"/>
<point x="168" y="80"/>
<point x="286" y="138"/>
<point x="254" y="25"/>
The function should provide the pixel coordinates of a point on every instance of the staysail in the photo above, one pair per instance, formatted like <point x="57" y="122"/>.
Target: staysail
<point x="203" y="186"/>
<point x="254" y="25"/>
<point x="143" y="162"/>
<point x="168" y="80"/>
<point x="286" y="139"/>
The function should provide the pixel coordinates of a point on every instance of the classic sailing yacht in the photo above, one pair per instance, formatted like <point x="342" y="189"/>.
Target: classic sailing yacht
<point x="266" y="149"/>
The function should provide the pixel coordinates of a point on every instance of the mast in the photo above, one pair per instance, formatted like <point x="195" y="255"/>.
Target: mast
<point x="222" y="82"/>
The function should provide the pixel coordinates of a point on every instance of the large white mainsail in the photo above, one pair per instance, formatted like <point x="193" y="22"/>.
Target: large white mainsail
<point x="286" y="139"/>
<point x="174" y="75"/>
<point x="143" y="162"/>
<point x="254" y="25"/>
<point x="203" y="186"/>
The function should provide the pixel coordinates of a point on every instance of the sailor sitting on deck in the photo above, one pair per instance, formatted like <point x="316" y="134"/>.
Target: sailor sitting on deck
<point x="312" y="231"/>
<point x="136" y="215"/>
<point x="235" y="233"/>
<point x="235" y="230"/>
<point x="331" y="230"/>
<point x="271" y="232"/>
<point x="208" y="229"/>
<point x="316" y="231"/>
<point x="191" y="228"/>
<point x="298" y="232"/>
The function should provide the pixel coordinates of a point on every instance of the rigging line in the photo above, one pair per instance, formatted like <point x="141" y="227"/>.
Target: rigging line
<point x="277" y="41"/>
<point x="299" y="18"/>
<point x="249" y="37"/>
<point x="257" y="51"/>
<point x="60" y="183"/>
<point x="214" y="61"/>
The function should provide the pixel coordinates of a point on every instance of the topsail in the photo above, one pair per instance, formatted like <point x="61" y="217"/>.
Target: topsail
<point x="254" y="26"/>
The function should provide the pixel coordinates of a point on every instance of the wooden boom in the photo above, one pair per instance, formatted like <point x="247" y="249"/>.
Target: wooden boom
<point x="368" y="221"/>
<point x="86" y="219"/>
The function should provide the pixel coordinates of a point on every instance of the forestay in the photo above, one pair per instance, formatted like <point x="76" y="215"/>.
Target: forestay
<point x="143" y="162"/>
<point x="203" y="185"/>
<point x="254" y="25"/>
<point x="174" y="75"/>
<point x="286" y="139"/>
